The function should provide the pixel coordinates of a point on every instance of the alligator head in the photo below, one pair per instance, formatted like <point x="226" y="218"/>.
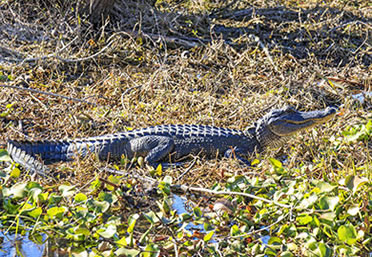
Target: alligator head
<point x="274" y="128"/>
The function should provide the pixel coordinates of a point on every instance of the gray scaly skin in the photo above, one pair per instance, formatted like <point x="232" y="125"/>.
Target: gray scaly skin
<point x="170" y="142"/>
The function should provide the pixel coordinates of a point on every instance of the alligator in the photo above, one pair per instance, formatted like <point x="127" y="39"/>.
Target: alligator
<point x="168" y="143"/>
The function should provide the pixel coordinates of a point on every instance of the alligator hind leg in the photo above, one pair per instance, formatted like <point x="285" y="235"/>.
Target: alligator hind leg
<point x="155" y="148"/>
<point x="235" y="153"/>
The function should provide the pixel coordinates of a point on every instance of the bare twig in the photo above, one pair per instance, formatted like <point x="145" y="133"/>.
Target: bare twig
<point x="197" y="189"/>
<point x="186" y="171"/>
<point x="48" y="93"/>
<point x="88" y="57"/>
<point x="261" y="229"/>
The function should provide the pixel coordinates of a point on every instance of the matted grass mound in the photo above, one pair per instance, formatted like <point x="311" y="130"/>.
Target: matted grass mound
<point x="223" y="63"/>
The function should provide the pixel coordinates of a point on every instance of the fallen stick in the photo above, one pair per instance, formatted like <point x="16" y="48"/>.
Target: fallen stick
<point x="48" y="93"/>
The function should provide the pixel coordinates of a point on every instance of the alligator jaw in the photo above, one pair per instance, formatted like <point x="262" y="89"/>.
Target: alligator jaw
<point x="291" y="121"/>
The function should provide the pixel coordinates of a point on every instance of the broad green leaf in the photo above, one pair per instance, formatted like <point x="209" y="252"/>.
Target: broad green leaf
<point x="159" y="170"/>
<point x="308" y="202"/>
<point x="127" y="252"/>
<point x="286" y="254"/>
<point x="107" y="197"/>
<point x="107" y="232"/>
<point x="151" y="250"/>
<point x="101" y="206"/>
<point x="26" y="206"/>
<point x="54" y="198"/>
<point x="327" y="202"/>
<point x="151" y="217"/>
<point x="325" y="187"/>
<point x="234" y="230"/>
<point x="353" y="210"/>
<point x="114" y="180"/>
<point x="274" y="241"/>
<point x="131" y="222"/>
<point x="4" y="156"/>
<point x="255" y="162"/>
<point x="208" y="236"/>
<point x="66" y="190"/>
<point x="347" y="234"/>
<point x="304" y="219"/>
<point x="18" y="190"/>
<point x="82" y="231"/>
<point x="96" y="184"/>
<point x="322" y="250"/>
<point x="164" y="187"/>
<point x="35" y="213"/>
<point x="328" y="216"/>
<point x="354" y="182"/>
<point x="56" y="212"/>
<point x="197" y="212"/>
<point x="207" y="226"/>
<point x="276" y="164"/>
<point x="168" y="179"/>
<point x="80" y="197"/>
<point x="122" y="241"/>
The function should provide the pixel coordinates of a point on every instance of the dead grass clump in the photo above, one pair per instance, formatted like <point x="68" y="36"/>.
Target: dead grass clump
<point x="217" y="63"/>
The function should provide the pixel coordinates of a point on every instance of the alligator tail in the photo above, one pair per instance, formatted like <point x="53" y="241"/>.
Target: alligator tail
<point x="33" y="155"/>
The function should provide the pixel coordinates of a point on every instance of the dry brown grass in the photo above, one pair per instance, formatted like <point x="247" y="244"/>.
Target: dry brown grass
<point x="139" y="78"/>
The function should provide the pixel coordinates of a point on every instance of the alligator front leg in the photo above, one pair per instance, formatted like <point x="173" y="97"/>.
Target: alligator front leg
<point x="155" y="148"/>
<point x="235" y="153"/>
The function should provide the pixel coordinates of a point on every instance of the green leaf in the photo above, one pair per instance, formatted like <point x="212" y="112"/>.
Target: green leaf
<point x="35" y="193"/>
<point x="354" y="182"/>
<point x="4" y="156"/>
<point x="80" y="197"/>
<point x="322" y="250"/>
<point x="159" y="170"/>
<point x="234" y="231"/>
<point x="168" y="180"/>
<point x="325" y="187"/>
<point x="197" y="212"/>
<point x="18" y="190"/>
<point x="35" y="213"/>
<point x="131" y="222"/>
<point x="107" y="197"/>
<point x="151" y="217"/>
<point x="274" y="241"/>
<point x="278" y="167"/>
<point x="56" y="212"/>
<point x="328" y="216"/>
<point x="276" y="163"/>
<point x="114" y="180"/>
<point x="151" y="250"/>
<point x="308" y="202"/>
<point x="122" y="241"/>
<point x="66" y="190"/>
<point x="347" y="234"/>
<point x="107" y="232"/>
<point x="353" y="210"/>
<point x="102" y="206"/>
<point x="82" y="231"/>
<point x="304" y="219"/>
<point x="127" y="252"/>
<point x="327" y="202"/>
<point x="208" y="236"/>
